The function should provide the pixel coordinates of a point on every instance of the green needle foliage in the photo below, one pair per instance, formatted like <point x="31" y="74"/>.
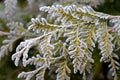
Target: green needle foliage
<point x="63" y="40"/>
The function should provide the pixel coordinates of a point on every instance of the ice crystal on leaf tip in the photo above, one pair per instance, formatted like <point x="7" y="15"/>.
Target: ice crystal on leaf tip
<point x="71" y="41"/>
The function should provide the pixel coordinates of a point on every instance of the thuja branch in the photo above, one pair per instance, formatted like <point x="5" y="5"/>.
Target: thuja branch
<point x="80" y="29"/>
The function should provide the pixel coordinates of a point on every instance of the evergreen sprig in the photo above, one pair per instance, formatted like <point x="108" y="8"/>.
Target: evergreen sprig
<point x="71" y="41"/>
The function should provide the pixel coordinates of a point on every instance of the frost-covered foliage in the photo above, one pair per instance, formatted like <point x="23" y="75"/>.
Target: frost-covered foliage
<point x="94" y="3"/>
<point x="116" y="27"/>
<point x="17" y="33"/>
<point x="67" y="36"/>
<point x="10" y="6"/>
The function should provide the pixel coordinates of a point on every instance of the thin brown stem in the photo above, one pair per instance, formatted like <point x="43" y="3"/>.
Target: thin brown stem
<point x="112" y="17"/>
<point x="111" y="29"/>
<point x="17" y="70"/>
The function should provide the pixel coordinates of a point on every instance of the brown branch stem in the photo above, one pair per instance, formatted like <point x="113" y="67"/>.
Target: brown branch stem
<point x="111" y="29"/>
<point x="17" y="70"/>
<point x="112" y="17"/>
